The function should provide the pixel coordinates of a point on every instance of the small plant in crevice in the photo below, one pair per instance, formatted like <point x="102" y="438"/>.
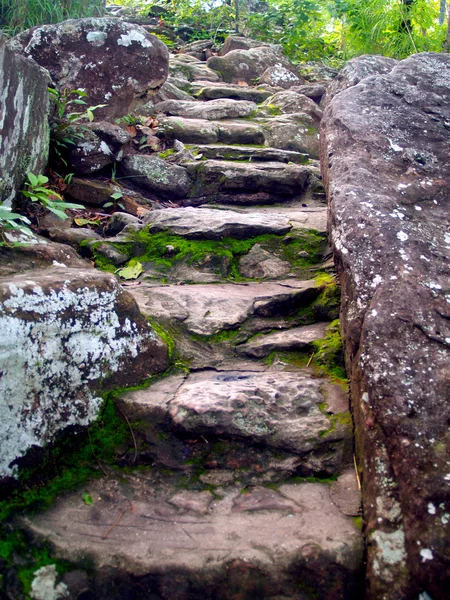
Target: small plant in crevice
<point x="36" y="191"/>
<point x="11" y="221"/>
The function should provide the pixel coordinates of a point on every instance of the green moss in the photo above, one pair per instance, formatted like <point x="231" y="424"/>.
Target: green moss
<point x="102" y="263"/>
<point x="329" y="356"/>
<point x="166" y="153"/>
<point x="165" y="336"/>
<point x="359" y="523"/>
<point x="344" y="418"/>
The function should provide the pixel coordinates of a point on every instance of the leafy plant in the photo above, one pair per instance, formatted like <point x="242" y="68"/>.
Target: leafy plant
<point x="12" y="221"/>
<point x="36" y="191"/>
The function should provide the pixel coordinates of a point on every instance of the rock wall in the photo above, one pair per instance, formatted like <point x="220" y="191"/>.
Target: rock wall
<point x="24" y="111"/>
<point x="68" y="334"/>
<point x="385" y="148"/>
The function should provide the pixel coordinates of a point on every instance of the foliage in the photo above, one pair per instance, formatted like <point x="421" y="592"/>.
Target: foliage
<point x="12" y="221"/>
<point x="36" y="191"/>
<point x="17" y="15"/>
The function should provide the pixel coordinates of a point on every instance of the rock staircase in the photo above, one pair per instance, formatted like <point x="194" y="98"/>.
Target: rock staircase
<point x="239" y="481"/>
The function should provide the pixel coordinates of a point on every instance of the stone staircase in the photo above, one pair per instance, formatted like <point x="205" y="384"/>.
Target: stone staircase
<point x="239" y="479"/>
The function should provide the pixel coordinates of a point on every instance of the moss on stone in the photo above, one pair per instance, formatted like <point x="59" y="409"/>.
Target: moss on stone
<point x="329" y="355"/>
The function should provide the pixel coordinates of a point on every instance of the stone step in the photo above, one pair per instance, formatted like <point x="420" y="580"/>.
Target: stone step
<point x="233" y="182"/>
<point x="281" y="412"/>
<point x="204" y="90"/>
<point x="250" y="153"/>
<point x="203" y="131"/>
<point x="223" y="108"/>
<point x="146" y="537"/>
<point x="207" y="309"/>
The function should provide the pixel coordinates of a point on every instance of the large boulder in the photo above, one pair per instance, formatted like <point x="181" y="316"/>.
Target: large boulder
<point x="24" y="107"/>
<point x="248" y="65"/>
<point x="68" y="334"/>
<point x="385" y="153"/>
<point x="117" y="63"/>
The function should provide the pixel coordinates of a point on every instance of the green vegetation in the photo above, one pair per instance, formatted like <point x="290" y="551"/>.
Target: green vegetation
<point x="329" y="354"/>
<point x="36" y="190"/>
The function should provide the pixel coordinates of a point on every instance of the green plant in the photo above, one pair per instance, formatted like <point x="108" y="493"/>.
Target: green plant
<point x="37" y="192"/>
<point x="12" y="221"/>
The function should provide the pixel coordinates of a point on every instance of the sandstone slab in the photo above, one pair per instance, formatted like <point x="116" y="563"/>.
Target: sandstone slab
<point x="223" y="108"/>
<point x="157" y="176"/>
<point x="223" y="90"/>
<point x="385" y="149"/>
<point x="261" y="264"/>
<point x="279" y="76"/>
<point x="298" y="338"/>
<point x="67" y="333"/>
<point x="298" y="132"/>
<point x="250" y="153"/>
<point x="290" y="102"/>
<point x="205" y="223"/>
<point x="202" y="131"/>
<point x="208" y="309"/>
<point x="260" y="543"/>
<point x="118" y="63"/>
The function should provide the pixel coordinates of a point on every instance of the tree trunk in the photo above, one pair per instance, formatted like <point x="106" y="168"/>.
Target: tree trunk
<point x="236" y="13"/>
<point x="442" y="11"/>
<point x="447" y="37"/>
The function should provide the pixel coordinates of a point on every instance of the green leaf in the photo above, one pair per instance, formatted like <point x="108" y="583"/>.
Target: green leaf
<point x="32" y="179"/>
<point x="59" y="213"/>
<point x="87" y="498"/>
<point x="90" y="115"/>
<point x="132" y="271"/>
<point x="116" y="195"/>
<point x="42" y="179"/>
<point x="108" y="204"/>
<point x="81" y="222"/>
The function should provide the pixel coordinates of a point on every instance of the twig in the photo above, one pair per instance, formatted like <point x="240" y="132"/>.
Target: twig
<point x="113" y="525"/>
<point x="310" y="359"/>
<point x="131" y="431"/>
<point x="357" y="474"/>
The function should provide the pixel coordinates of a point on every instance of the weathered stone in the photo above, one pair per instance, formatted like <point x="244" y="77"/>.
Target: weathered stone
<point x="205" y="223"/>
<point x="385" y="150"/>
<point x="114" y="135"/>
<point x="239" y="42"/>
<point x="216" y="176"/>
<point x="201" y="131"/>
<point x="208" y="309"/>
<point x="66" y="334"/>
<point x="73" y="237"/>
<point x="306" y="218"/>
<point x="292" y="340"/>
<point x="191" y="69"/>
<point x="297" y="132"/>
<point x="315" y="91"/>
<point x="279" y="76"/>
<point x="317" y="71"/>
<point x="88" y="191"/>
<point x="119" y="221"/>
<point x="233" y="548"/>
<point x="223" y="108"/>
<point x="24" y="106"/>
<point x="156" y="175"/>
<point x="345" y="493"/>
<point x="222" y="90"/>
<point x="251" y="153"/>
<point x="169" y="91"/>
<point x="119" y="64"/>
<point x="290" y="102"/>
<point x="261" y="264"/>
<point x="90" y="153"/>
<point x="357" y="69"/>
<point x="248" y="65"/>
<point x="111" y="254"/>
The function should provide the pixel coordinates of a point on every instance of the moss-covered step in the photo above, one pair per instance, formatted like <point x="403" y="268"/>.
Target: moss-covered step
<point x="223" y="108"/>
<point x="232" y="181"/>
<point x="202" y="131"/>
<point x="146" y="538"/>
<point x="213" y="91"/>
<point x="208" y="309"/>
<point x="249" y="153"/>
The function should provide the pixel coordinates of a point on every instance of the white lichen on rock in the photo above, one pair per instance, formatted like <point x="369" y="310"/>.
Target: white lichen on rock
<point x="43" y="586"/>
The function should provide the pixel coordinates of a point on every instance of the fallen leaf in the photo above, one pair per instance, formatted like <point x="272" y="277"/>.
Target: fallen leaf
<point x="131" y="271"/>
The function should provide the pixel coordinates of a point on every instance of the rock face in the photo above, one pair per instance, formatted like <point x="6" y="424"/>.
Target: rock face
<point x="24" y="110"/>
<point x="120" y="64"/>
<point x="385" y="149"/>
<point x="66" y="335"/>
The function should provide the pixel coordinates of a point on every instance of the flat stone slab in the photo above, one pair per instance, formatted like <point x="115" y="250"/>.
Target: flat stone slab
<point x="222" y="176"/>
<point x="298" y="338"/>
<point x="202" y="131"/>
<point x="299" y="217"/>
<point x="223" y="90"/>
<point x="207" y="309"/>
<point x="224" y="152"/>
<point x="192" y="543"/>
<point x="223" y="108"/>
<point x="208" y="223"/>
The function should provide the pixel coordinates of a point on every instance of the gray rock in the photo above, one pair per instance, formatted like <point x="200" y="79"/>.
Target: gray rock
<point x="290" y="102"/>
<point x="250" y="153"/>
<point x="169" y="91"/>
<point x="114" y="135"/>
<point x="120" y="64"/>
<point x="240" y="534"/>
<point x="208" y="309"/>
<point x="88" y="191"/>
<point x="214" y="176"/>
<point x="156" y="175"/>
<point x="24" y="142"/>
<point x="345" y="493"/>
<point x="261" y="264"/>
<point x="118" y="221"/>
<point x="239" y="42"/>
<point x="279" y="76"/>
<point x="222" y="90"/>
<point x="191" y="70"/>
<point x="385" y="161"/>
<point x="111" y="254"/>
<point x="224" y="108"/>
<point x="59" y="328"/>
<point x="73" y="237"/>
<point x="297" y="132"/>
<point x="90" y="153"/>
<point x="201" y="131"/>
<point x="315" y="91"/>
<point x="205" y="223"/>
<point x="357" y="69"/>
<point x="248" y="65"/>
<point x="290" y="340"/>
